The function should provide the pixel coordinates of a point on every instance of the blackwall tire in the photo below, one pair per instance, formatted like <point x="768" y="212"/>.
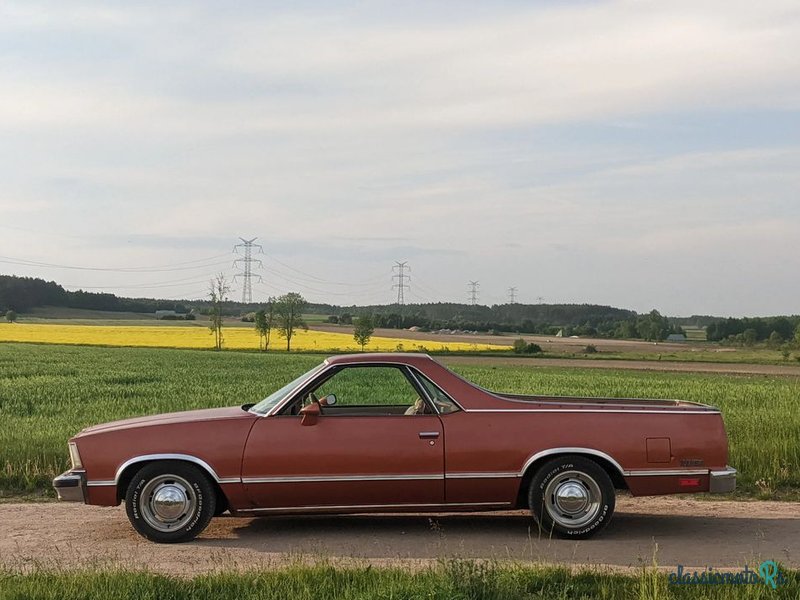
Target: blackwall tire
<point x="170" y="501"/>
<point x="572" y="497"/>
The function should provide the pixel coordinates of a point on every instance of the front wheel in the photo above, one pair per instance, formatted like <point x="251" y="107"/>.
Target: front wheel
<point x="170" y="501"/>
<point x="572" y="497"/>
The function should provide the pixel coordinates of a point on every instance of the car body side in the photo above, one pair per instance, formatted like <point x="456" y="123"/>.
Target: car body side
<point x="481" y="456"/>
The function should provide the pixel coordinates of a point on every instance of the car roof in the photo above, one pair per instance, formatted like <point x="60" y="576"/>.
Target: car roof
<point x="407" y="358"/>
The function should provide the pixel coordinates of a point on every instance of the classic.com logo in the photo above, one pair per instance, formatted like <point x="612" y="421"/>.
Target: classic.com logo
<point x="768" y="574"/>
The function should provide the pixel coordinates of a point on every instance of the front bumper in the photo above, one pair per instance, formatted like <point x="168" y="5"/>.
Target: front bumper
<point x="71" y="486"/>
<point x="723" y="481"/>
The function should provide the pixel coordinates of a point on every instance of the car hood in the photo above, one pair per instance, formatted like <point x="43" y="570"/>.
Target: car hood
<point x="188" y="416"/>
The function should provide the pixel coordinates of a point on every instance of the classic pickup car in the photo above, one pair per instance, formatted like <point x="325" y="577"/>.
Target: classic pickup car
<point x="397" y="432"/>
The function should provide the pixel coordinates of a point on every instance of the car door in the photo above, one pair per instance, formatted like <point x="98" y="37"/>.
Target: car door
<point x="363" y="451"/>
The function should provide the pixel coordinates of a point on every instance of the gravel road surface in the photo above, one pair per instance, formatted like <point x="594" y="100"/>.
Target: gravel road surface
<point x="678" y="530"/>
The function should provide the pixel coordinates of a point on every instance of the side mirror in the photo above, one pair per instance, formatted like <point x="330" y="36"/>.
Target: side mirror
<point x="328" y="400"/>
<point x="310" y="414"/>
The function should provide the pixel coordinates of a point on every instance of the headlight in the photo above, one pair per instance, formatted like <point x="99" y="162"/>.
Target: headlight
<point x="75" y="456"/>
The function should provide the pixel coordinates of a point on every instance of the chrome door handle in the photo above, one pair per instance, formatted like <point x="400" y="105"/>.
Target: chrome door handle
<point x="427" y="435"/>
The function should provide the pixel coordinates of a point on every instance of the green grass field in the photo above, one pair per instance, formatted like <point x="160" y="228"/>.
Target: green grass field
<point x="49" y="392"/>
<point x="453" y="580"/>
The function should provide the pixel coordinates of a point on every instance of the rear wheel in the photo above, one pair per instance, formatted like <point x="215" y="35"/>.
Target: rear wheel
<point x="170" y="501"/>
<point x="571" y="496"/>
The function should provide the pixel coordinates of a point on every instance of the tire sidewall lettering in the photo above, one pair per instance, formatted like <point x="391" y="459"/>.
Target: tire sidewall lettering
<point x="549" y="472"/>
<point x="200" y="486"/>
<point x="553" y="473"/>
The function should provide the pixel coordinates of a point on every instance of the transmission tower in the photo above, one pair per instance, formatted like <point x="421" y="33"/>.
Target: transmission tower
<point x="401" y="276"/>
<point x="473" y="292"/>
<point x="247" y="266"/>
<point x="512" y="295"/>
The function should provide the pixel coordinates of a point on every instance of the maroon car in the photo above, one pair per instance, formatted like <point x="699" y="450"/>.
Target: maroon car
<point x="397" y="432"/>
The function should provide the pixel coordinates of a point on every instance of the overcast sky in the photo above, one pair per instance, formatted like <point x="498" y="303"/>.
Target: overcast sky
<point x="638" y="154"/>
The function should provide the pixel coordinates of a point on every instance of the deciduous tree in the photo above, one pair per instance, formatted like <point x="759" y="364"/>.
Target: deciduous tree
<point x="289" y="316"/>
<point x="363" y="328"/>
<point x="218" y="290"/>
<point x="264" y="320"/>
<point x="775" y="340"/>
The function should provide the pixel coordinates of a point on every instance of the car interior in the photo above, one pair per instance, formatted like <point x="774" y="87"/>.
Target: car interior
<point x="368" y="391"/>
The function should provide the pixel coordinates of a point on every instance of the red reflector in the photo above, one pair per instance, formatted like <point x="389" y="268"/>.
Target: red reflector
<point x="688" y="481"/>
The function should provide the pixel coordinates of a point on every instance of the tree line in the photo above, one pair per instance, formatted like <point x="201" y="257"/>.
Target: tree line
<point x="750" y="330"/>
<point x="652" y="326"/>
<point x="20" y="294"/>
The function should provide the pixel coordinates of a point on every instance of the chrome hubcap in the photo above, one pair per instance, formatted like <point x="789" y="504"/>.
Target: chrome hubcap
<point x="168" y="502"/>
<point x="572" y="499"/>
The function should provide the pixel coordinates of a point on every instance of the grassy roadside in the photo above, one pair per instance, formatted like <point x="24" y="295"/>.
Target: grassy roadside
<point x="452" y="580"/>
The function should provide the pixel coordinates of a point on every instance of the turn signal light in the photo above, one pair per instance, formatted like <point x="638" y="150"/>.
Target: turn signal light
<point x="689" y="482"/>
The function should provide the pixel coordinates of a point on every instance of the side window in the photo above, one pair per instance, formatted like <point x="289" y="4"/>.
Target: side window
<point x="444" y="404"/>
<point x="377" y="390"/>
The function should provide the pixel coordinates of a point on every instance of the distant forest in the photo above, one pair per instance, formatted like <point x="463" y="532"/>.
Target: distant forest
<point x="24" y="293"/>
<point x="21" y="294"/>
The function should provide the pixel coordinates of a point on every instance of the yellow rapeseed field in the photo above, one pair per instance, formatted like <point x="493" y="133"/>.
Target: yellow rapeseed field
<point x="155" y="336"/>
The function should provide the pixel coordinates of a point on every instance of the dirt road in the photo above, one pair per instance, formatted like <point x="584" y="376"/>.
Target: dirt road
<point x="688" y="532"/>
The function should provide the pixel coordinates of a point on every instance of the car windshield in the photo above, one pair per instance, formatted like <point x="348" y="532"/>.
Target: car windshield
<point x="275" y="398"/>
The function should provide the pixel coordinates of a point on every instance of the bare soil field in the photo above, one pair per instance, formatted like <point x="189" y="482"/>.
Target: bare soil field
<point x="548" y="343"/>
<point x="676" y="531"/>
<point x="636" y="365"/>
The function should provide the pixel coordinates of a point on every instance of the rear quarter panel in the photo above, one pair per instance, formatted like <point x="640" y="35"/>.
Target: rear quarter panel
<point x="504" y="443"/>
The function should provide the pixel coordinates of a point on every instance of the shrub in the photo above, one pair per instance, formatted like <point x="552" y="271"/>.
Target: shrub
<point x="523" y="347"/>
<point x="590" y="349"/>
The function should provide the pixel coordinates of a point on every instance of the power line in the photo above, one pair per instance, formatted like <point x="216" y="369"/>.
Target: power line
<point x="182" y="266"/>
<point x="314" y="279"/>
<point x="430" y="290"/>
<point x="473" y="292"/>
<point x="248" y="260"/>
<point x="176" y="283"/>
<point x="512" y="295"/>
<point x="401" y="277"/>
<point x="305" y="286"/>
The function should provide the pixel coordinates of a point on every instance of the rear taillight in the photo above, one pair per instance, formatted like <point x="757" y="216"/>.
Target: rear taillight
<point x="75" y="456"/>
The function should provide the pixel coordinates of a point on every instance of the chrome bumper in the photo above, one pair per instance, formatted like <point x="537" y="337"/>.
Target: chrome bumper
<point x="722" y="482"/>
<point x="71" y="486"/>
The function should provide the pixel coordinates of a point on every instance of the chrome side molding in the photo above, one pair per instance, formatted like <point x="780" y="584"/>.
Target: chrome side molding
<point x="185" y="457"/>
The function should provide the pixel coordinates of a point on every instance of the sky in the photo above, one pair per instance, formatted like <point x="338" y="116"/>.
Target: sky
<point x="631" y="153"/>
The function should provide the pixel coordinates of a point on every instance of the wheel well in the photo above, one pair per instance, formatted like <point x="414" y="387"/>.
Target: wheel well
<point x="616" y="477"/>
<point x="127" y="475"/>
